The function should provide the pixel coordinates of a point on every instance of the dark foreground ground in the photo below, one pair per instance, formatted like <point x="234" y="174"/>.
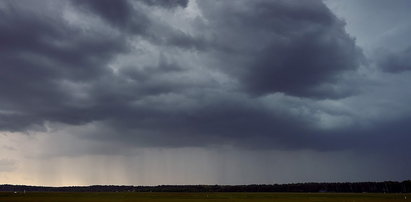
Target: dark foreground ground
<point x="198" y="197"/>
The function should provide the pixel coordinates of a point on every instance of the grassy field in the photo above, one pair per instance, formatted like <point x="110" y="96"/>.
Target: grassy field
<point x="199" y="197"/>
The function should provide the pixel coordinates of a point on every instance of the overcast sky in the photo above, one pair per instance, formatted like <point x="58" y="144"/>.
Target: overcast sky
<point x="149" y="92"/>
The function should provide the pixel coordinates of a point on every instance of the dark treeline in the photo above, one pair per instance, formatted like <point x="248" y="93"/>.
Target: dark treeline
<point x="357" y="187"/>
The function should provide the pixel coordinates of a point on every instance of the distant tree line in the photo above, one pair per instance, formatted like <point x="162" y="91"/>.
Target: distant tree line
<point x="353" y="187"/>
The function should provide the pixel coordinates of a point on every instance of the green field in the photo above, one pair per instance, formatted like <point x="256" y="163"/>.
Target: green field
<point x="197" y="197"/>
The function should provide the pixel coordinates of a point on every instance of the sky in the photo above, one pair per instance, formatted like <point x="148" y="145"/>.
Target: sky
<point x="151" y="92"/>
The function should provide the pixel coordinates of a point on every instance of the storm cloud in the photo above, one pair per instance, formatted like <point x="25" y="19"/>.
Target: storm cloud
<point x="42" y="55"/>
<point x="298" y="48"/>
<point x="60" y="72"/>
<point x="167" y="3"/>
<point x="261" y="75"/>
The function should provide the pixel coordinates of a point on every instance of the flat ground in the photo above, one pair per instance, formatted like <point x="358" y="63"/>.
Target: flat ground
<point x="199" y="197"/>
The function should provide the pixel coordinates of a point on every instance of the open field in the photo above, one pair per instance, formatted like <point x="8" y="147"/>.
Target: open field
<point x="199" y="197"/>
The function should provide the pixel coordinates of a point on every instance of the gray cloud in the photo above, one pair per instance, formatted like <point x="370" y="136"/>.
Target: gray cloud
<point x="204" y="92"/>
<point x="390" y="26"/>
<point x="282" y="46"/>
<point x="253" y="74"/>
<point x="166" y="3"/>
<point x="120" y="14"/>
<point x="36" y="64"/>
<point x="7" y="165"/>
<point x="394" y="62"/>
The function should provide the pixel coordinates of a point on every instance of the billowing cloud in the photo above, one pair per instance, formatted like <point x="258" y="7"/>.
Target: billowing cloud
<point x="39" y="65"/>
<point x="261" y="75"/>
<point x="298" y="48"/>
<point x="259" y="91"/>
<point x="120" y="14"/>
<point x="72" y="71"/>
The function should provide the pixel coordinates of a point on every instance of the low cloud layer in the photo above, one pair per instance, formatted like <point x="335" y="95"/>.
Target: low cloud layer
<point x="280" y="75"/>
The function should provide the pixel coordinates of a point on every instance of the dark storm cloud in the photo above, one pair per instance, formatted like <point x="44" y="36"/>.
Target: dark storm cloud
<point x="166" y="3"/>
<point x="212" y="122"/>
<point x="131" y="18"/>
<point x="295" y="47"/>
<point x="169" y="95"/>
<point x="123" y="14"/>
<point x="40" y="52"/>
<point x="119" y="13"/>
